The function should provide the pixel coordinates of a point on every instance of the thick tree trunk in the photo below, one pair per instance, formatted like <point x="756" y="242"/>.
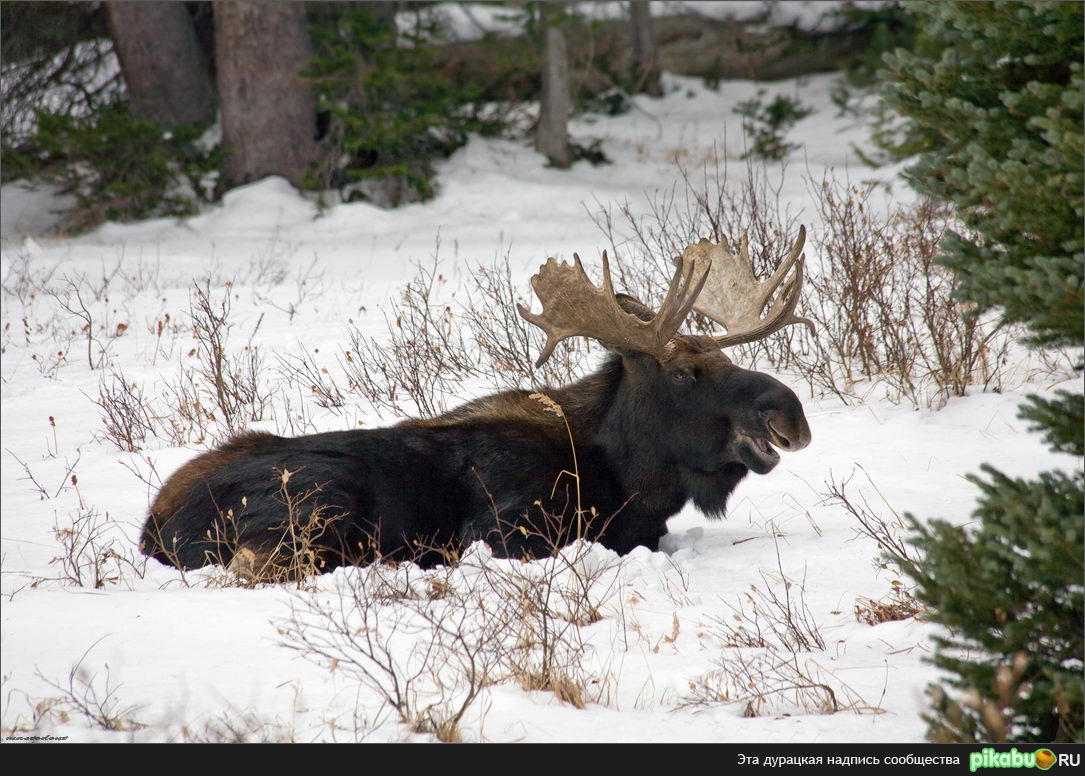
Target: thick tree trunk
<point x="167" y="78"/>
<point x="268" y="109"/>
<point x="552" y="132"/>
<point x="645" y="59"/>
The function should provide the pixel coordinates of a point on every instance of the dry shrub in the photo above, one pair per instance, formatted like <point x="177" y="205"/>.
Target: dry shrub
<point x="234" y="380"/>
<point x="92" y="554"/>
<point x="304" y="370"/>
<point x="886" y="533"/>
<point x="425" y="358"/>
<point x="427" y="644"/>
<point x="126" y="412"/>
<point x="767" y="682"/>
<point x="885" y="311"/>
<point x="226" y="391"/>
<point x="439" y="341"/>
<point x="899" y="604"/>
<point x="238" y="727"/>
<point x="93" y="695"/>
<point x="767" y="665"/>
<point x="777" y="616"/>
<point x="426" y="660"/>
<point x="507" y="344"/>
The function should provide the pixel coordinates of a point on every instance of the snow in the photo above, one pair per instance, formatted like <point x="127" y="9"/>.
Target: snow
<point x="468" y="21"/>
<point x="31" y="209"/>
<point x="188" y="657"/>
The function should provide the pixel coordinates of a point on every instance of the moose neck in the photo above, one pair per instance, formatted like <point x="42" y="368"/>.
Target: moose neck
<point x="612" y="412"/>
<point x="589" y="402"/>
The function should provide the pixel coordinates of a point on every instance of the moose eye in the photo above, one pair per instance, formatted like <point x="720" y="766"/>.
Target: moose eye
<point x="684" y="375"/>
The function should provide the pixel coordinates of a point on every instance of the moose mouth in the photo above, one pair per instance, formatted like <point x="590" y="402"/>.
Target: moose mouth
<point x="759" y="453"/>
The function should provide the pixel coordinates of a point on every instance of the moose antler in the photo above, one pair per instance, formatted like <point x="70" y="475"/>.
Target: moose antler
<point x="709" y="279"/>
<point x="573" y="305"/>
<point x="733" y="298"/>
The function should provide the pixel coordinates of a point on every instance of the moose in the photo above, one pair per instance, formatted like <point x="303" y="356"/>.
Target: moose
<point x="666" y="419"/>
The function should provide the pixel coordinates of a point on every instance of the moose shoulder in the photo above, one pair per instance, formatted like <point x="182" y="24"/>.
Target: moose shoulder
<point x="667" y="419"/>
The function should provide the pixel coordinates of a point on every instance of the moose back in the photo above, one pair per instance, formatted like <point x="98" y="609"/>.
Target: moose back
<point x="667" y="419"/>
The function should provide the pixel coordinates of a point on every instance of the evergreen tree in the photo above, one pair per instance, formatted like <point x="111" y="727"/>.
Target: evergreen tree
<point x="992" y="93"/>
<point x="391" y="109"/>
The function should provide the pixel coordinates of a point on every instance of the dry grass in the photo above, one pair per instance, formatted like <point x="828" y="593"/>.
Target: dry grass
<point x="900" y="604"/>
<point x="430" y="643"/>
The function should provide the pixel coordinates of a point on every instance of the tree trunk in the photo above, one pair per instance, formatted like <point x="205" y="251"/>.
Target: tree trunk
<point x="163" y="66"/>
<point x="552" y="132"/>
<point x="645" y="59"/>
<point x="268" y="109"/>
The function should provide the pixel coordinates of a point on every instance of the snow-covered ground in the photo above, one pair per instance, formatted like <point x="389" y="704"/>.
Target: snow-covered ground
<point x="465" y="21"/>
<point x="169" y="656"/>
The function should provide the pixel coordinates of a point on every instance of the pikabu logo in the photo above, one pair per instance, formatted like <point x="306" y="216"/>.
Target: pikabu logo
<point x="991" y="758"/>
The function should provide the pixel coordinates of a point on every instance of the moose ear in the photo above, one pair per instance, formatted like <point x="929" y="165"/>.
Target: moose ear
<point x="636" y="358"/>
<point x="634" y="306"/>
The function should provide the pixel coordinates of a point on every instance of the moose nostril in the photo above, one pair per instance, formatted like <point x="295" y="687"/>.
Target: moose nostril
<point x="778" y="439"/>
<point x="794" y="439"/>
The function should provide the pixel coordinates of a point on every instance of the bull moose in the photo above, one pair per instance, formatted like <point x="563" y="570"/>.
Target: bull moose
<point x="665" y="420"/>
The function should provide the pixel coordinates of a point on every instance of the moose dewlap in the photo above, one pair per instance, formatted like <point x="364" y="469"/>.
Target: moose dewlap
<point x="667" y="419"/>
